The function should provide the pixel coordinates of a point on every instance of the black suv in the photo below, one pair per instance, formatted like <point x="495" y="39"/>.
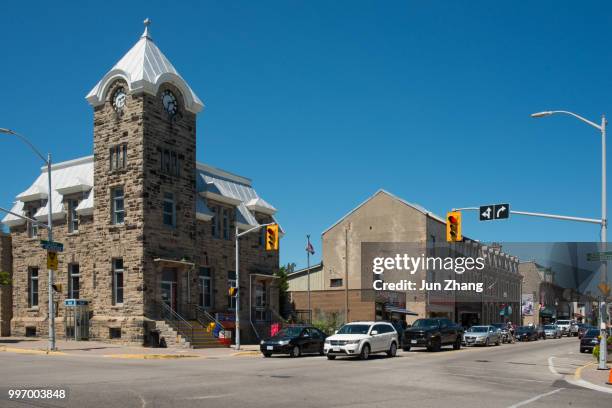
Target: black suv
<point x="433" y="333"/>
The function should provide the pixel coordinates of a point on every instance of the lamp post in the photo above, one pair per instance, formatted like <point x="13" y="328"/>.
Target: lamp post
<point x="47" y="161"/>
<point x="603" y="351"/>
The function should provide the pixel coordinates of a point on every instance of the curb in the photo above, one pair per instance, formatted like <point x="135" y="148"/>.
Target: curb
<point x="31" y="351"/>
<point x="246" y="353"/>
<point x="151" y="356"/>
<point x="577" y="380"/>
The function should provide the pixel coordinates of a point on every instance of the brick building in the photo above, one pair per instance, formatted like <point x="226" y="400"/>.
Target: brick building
<point x="385" y="218"/>
<point x="146" y="228"/>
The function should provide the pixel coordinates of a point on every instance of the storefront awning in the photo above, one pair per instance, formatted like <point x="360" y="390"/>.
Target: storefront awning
<point x="393" y="309"/>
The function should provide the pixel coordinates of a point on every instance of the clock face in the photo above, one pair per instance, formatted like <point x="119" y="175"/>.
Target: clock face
<point x="119" y="99"/>
<point x="170" y="103"/>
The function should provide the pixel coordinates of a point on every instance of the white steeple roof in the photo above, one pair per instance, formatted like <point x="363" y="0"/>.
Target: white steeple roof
<point x="145" y="68"/>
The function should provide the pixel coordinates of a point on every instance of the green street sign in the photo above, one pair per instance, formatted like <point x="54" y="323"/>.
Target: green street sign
<point x="52" y="246"/>
<point x="599" y="256"/>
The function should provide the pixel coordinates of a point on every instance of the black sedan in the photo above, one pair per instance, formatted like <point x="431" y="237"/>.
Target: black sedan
<point x="295" y="341"/>
<point x="589" y="339"/>
<point x="526" y="333"/>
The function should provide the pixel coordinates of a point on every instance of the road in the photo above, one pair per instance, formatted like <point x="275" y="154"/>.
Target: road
<point x="505" y="376"/>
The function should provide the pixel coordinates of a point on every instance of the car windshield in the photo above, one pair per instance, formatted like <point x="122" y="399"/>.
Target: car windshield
<point x="354" y="329"/>
<point x="478" y="329"/>
<point x="549" y="327"/>
<point x="592" y="333"/>
<point x="290" y="332"/>
<point x="425" y="323"/>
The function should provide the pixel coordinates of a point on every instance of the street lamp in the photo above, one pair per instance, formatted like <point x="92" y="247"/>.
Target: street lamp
<point x="47" y="161"/>
<point x="237" y="236"/>
<point x="603" y="350"/>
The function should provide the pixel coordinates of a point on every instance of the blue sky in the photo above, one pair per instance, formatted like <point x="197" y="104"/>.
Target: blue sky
<point x="322" y="103"/>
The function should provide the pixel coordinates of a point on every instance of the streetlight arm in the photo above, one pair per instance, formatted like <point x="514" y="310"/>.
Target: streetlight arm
<point x="588" y="122"/>
<point x="26" y="141"/>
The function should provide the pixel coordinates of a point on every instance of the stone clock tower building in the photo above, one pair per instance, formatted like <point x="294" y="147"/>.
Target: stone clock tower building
<point x="148" y="231"/>
<point x="144" y="151"/>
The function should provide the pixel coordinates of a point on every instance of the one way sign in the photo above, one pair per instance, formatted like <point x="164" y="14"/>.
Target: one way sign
<point x="494" y="212"/>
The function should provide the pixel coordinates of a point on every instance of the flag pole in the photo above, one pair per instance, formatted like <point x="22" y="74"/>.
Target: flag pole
<point x="308" y="274"/>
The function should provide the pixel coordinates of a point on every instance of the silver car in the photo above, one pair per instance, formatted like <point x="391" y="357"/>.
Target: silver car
<point x="482" y="335"/>
<point x="552" y="331"/>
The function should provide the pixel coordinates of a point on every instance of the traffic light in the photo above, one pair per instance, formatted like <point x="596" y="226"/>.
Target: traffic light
<point x="232" y="291"/>
<point x="272" y="237"/>
<point x="453" y="226"/>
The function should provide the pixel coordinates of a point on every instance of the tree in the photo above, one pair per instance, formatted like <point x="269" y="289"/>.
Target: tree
<point x="5" y="278"/>
<point x="283" y="287"/>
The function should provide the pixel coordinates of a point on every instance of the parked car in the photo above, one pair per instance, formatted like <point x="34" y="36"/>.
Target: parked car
<point x="362" y="339"/>
<point x="552" y="331"/>
<point x="568" y="327"/>
<point x="433" y="333"/>
<point x="526" y="333"/>
<point x="482" y="335"/>
<point x="541" y="332"/>
<point x="589" y="340"/>
<point x="583" y="328"/>
<point x="294" y="340"/>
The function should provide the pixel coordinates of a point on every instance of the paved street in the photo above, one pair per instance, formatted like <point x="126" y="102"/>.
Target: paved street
<point x="504" y="376"/>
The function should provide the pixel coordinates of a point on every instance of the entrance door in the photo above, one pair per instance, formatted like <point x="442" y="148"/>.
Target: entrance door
<point x="168" y="287"/>
<point x="260" y="301"/>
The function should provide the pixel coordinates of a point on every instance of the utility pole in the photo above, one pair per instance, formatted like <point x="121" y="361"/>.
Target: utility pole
<point x="346" y="273"/>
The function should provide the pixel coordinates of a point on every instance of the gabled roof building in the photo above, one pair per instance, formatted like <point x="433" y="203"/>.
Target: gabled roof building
<point x="148" y="231"/>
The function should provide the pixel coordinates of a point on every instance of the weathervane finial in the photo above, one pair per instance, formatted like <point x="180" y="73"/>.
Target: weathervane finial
<point x="147" y="23"/>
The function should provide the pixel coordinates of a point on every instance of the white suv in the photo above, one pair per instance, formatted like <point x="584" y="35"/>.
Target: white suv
<point x="362" y="339"/>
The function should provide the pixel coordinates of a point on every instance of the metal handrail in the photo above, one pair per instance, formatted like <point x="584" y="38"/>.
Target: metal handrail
<point x="208" y="318"/>
<point x="176" y="320"/>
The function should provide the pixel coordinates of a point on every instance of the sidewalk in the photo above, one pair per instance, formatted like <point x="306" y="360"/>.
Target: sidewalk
<point x="29" y="345"/>
<point x="590" y="377"/>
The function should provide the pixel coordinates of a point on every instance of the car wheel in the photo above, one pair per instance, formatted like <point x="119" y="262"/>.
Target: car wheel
<point x="321" y="351"/>
<point x="437" y="345"/>
<point x="582" y="350"/>
<point x="331" y="357"/>
<point x="267" y="355"/>
<point x="365" y="352"/>
<point x="295" y="351"/>
<point x="406" y="347"/>
<point x="392" y="350"/>
<point x="457" y="344"/>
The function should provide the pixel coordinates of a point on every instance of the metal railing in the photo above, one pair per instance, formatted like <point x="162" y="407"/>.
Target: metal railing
<point x="205" y="318"/>
<point x="175" y="320"/>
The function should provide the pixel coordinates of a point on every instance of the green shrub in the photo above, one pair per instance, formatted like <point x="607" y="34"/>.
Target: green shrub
<point x="328" y="322"/>
<point x="5" y="278"/>
<point x="596" y="348"/>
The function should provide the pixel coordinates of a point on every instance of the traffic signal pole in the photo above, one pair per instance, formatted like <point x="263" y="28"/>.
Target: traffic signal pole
<point x="603" y="350"/>
<point x="237" y="309"/>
